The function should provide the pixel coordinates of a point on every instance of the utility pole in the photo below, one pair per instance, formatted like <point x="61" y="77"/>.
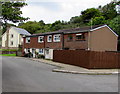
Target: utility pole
<point x="91" y="22"/>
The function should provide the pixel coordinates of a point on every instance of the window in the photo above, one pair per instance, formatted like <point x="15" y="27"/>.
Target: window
<point x="49" y="38"/>
<point x="41" y="51"/>
<point x="57" y="38"/>
<point x="27" y="50"/>
<point x="28" y="40"/>
<point x="80" y="36"/>
<point x="70" y="38"/>
<point x="41" y="39"/>
<point x="11" y="43"/>
<point x="11" y="35"/>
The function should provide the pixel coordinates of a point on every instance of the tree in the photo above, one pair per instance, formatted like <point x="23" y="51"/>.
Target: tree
<point x="76" y="19"/>
<point x="90" y="13"/>
<point x="41" y="22"/>
<point x="31" y="26"/>
<point x="97" y="21"/>
<point x="11" y="12"/>
<point x="56" y="25"/>
<point x="109" y="10"/>
<point x="115" y="24"/>
<point x="118" y="7"/>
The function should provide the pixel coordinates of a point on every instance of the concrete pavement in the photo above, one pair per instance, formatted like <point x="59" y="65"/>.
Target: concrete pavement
<point x="65" y="68"/>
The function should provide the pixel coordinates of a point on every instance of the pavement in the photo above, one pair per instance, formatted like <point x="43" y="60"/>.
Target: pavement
<point x="65" y="68"/>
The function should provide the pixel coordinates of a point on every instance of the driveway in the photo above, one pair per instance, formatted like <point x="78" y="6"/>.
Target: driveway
<point x="24" y="75"/>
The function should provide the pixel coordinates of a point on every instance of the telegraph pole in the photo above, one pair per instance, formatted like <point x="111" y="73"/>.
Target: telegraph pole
<point x="91" y="22"/>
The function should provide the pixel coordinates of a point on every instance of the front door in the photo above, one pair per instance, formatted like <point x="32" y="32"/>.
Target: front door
<point x="33" y="52"/>
<point x="47" y="56"/>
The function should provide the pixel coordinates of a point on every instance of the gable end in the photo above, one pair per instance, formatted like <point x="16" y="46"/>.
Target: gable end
<point x="107" y="27"/>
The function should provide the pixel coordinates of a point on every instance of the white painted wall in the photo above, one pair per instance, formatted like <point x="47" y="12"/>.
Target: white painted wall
<point x="4" y="39"/>
<point x="25" y="50"/>
<point x="49" y="54"/>
<point x="37" y="50"/>
<point x="15" y="39"/>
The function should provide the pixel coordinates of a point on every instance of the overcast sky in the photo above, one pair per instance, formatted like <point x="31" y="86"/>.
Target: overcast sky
<point x="51" y="10"/>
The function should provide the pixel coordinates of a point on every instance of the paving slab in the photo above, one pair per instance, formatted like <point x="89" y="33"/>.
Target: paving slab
<point x="65" y="68"/>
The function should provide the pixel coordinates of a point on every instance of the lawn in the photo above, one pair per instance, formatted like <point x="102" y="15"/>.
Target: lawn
<point x="7" y="54"/>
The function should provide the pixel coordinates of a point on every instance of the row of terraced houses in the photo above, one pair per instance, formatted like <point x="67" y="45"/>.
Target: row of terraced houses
<point x="95" y="38"/>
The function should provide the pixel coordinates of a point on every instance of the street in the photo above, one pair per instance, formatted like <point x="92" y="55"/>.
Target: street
<point x="24" y="75"/>
<point x="0" y="74"/>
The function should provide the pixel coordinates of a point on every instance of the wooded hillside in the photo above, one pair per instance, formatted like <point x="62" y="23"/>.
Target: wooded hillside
<point x="93" y="16"/>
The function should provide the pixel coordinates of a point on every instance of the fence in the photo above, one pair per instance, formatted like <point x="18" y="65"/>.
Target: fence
<point x="88" y="59"/>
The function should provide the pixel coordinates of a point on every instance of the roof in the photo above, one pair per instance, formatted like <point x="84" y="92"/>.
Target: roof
<point x="74" y="30"/>
<point x="20" y="31"/>
<point x="107" y="27"/>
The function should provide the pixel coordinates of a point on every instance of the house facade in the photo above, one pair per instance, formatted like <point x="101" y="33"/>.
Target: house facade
<point x="97" y="38"/>
<point x="13" y="38"/>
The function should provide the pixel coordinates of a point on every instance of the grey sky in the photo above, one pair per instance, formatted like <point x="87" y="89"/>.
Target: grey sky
<point x="52" y="10"/>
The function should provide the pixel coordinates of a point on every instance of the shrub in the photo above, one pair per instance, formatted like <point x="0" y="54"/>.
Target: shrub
<point x="26" y="55"/>
<point x="41" y="56"/>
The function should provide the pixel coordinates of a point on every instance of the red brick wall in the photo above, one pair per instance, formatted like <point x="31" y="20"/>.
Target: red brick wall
<point x="33" y="43"/>
<point x="53" y="45"/>
<point x="58" y="45"/>
<point x="81" y="44"/>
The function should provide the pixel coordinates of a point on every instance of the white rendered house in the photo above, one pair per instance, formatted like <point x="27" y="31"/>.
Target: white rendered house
<point x="13" y="38"/>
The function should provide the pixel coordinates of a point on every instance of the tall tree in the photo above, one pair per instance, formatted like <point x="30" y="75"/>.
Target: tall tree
<point x="11" y="12"/>
<point x="31" y="26"/>
<point x="109" y="10"/>
<point x="90" y="13"/>
<point x="76" y="19"/>
<point x="56" y="25"/>
<point x="97" y="21"/>
<point x="115" y="24"/>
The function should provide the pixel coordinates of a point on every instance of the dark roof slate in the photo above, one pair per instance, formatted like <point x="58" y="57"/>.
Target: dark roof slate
<point x="68" y="31"/>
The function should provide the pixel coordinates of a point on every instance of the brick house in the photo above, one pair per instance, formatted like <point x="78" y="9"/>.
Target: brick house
<point x="97" y="38"/>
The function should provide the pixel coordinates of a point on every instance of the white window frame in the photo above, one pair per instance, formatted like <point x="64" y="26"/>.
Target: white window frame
<point x="80" y="34"/>
<point x="48" y="38"/>
<point x="42" y="39"/>
<point x="27" y="39"/>
<point x="57" y="35"/>
<point x="42" y="51"/>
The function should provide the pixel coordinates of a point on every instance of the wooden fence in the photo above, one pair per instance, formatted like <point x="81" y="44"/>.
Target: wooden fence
<point x="88" y="59"/>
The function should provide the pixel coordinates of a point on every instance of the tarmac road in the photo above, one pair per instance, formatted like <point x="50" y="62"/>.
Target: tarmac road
<point x="24" y="75"/>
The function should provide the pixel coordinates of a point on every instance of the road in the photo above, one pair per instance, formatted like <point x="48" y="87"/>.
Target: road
<point x="0" y="75"/>
<point x="24" y="75"/>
